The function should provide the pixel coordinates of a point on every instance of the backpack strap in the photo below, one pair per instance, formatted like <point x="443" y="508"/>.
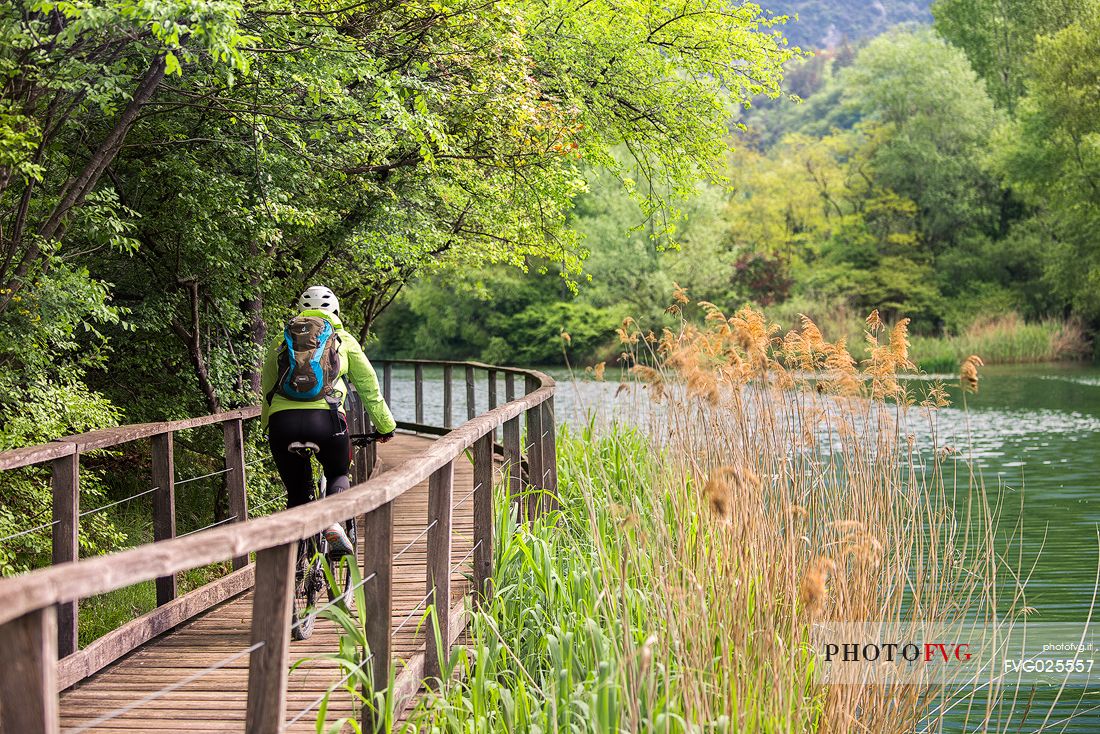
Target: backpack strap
<point x="338" y="426"/>
<point x="275" y="385"/>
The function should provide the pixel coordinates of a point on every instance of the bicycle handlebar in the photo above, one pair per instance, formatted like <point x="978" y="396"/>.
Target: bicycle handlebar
<point x="363" y="439"/>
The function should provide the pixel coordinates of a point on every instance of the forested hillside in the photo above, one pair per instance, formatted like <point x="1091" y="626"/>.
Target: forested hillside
<point x="927" y="173"/>
<point x="828" y="23"/>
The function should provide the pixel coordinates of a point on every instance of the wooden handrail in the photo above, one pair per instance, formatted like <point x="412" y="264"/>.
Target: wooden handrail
<point x="108" y="437"/>
<point x="36" y="606"/>
<point x="101" y="574"/>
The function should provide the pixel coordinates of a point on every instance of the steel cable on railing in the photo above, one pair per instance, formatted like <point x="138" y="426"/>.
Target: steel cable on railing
<point x="412" y="542"/>
<point x="316" y="702"/>
<point x="116" y="503"/>
<point x="419" y="604"/>
<point x="204" y="476"/>
<point x="28" y="531"/>
<point x="427" y="596"/>
<point x="231" y="518"/>
<point x="94" y="723"/>
<point x="466" y="557"/>
<point x="101" y="508"/>
<point x="470" y="494"/>
<point x="268" y="503"/>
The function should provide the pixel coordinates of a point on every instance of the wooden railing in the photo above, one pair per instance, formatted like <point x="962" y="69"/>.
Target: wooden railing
<point x="38" y="610"/>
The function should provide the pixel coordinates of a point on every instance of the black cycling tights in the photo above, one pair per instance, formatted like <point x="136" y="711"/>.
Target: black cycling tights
<point x="316" y="426"/>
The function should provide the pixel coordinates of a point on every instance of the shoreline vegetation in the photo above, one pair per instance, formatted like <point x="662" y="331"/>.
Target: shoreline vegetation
<point x="999" y="339"/>
<point x="702" y="533"/>
<point x="1005" y="339"/>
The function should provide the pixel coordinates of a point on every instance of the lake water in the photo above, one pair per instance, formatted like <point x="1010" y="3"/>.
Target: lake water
<point x="1034" y="434"/>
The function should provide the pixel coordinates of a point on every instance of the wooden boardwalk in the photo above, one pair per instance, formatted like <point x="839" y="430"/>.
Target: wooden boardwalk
<point x="216" y="700"/>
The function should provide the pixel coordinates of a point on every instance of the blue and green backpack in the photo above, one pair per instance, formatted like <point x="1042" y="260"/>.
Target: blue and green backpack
<point x="309" y="360"/>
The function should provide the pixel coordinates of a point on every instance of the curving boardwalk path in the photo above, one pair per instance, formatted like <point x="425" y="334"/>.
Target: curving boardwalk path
<point x="215" y="701"/>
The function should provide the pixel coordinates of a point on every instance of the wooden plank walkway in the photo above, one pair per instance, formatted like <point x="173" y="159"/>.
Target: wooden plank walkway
<point x="215" y="702"/>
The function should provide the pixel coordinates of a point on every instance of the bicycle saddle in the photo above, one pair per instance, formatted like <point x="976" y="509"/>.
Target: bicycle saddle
<point x="304" y="448"/>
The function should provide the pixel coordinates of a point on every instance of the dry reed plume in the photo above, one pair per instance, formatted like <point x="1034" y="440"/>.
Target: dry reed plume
<point x="969" y="372"/>
<point x="822" y="510"/>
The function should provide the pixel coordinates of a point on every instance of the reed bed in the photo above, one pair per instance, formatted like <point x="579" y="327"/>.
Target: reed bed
<point x="1006" y="339"/>
<point x="761" y="484"/>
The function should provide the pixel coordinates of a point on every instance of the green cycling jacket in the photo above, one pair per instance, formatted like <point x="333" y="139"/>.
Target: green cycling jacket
<point x="354" y="365"/>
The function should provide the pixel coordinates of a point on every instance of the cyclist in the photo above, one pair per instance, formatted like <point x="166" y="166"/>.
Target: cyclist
<point x="321" y="421"/>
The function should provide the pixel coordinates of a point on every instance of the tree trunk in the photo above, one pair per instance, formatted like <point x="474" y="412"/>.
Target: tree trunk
<point x="191" y="339"/>
<point x="76" y="189"/>
<point x="257" y="333"/>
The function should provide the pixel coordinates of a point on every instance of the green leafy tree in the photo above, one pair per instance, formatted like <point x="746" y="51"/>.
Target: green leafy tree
<point x="1051" y="155"/>
<point x="999" y="35"/>
<point x="932" y="130"/>
<point x="197" y="163"/>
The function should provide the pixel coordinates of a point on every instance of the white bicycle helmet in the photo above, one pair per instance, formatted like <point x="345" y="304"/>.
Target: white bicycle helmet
<point x="320" y="298"/>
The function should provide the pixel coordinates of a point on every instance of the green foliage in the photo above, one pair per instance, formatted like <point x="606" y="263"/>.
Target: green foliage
<point x="1051" y="155"/>
<point x="186" y="167"/>
<point x="898" y="184"/>
<point x="931" y="146"/>
<point x="39" y="412"/>
<point x="998" y="36"/>
<point x="503" y="314"/>
<point x="1002" y="340"/>
<point x="873" y="258"/>
<point x="504" y="319"/>
<point x="173" y="172"/>
<point x="48" y="339"/>
<point x="576" y="636"/>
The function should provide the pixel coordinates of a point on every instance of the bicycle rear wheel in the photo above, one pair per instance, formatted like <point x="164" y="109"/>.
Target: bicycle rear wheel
<point x="341" y="589"/>
<point x="308" y="578"/>
<point x="342" y="576"/>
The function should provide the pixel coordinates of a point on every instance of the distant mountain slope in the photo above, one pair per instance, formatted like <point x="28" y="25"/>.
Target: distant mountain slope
<point x="826" y="23"/>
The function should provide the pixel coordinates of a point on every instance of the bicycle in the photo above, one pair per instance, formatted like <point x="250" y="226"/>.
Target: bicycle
<point x="309" y="574"/>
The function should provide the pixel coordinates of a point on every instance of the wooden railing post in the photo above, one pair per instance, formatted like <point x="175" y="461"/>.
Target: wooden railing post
<point x="448" y="415"/>
<point x="509" y="386"/>
<point x="483" y="517"/>
<point x="378" y="592"/>
<point x="28" y="674"/>
<point x="513" y="458"/>
<point x="534" y="445"/>
<point x="235" y="480"/>
<point x="65" y="484"/>
<point x="418" y="392"/>
<point x="549" y="455"/>
<point x="439" y="567"/>
<point x="387" y="380"/>
<point x="491" y="396"/>
<point x="471" y="400"/>
<point x="269" y="662"/>
<point x="164" y="506"/>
